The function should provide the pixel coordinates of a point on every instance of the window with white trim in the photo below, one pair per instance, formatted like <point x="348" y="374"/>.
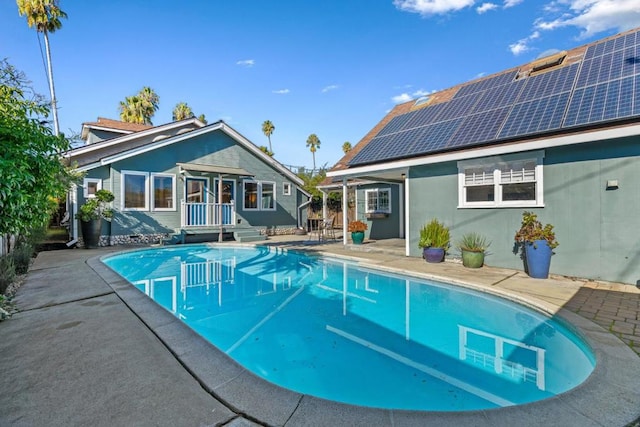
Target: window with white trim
<point x="286" y="188"/>
<point x="268" y="195"/>
<point x="135" y="191"/>
<point x="378" y="200"/>
<point x="259" y="195"/>
<point x="163" y="190"/>
<point x="91" y="186"/>
<point x="501" y="181"/>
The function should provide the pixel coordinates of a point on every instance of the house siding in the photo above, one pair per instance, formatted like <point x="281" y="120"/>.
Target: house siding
<point x="215" y="148"/>
<point x="380" y="228"/>
<point x="597" y="228"/>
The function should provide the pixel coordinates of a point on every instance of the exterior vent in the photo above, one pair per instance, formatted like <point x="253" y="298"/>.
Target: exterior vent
<point x="548" y="62"/>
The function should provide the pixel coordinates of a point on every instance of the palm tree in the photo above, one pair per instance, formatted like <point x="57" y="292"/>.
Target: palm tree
<point x="202" y="119"/>
<point x="267" y="129"/>
<point x="346" y="147"/>
<point x="313" y="143"/>
<point x="140" y="107"/>
<point x="45" y="16"/>
<point x="182" y="111"/>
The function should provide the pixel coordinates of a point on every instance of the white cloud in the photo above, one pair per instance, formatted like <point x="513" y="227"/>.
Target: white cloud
<point x="485" y="7"/>
<point x="246" y="63"/>
<point x="522" y="45"/>
<point x="405" y="97"/>
<point x="511" y="3"/>
<point x="432" y="7"/>
<point x="281" y="91"/>
<point x="592" y="16"/>
<point x="329" y="88"/>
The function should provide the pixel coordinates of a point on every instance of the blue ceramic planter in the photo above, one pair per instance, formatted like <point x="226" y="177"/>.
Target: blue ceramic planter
<point x="357" y="237"/>
<point x="433" y="254"/>
<point x="538" y="256"/>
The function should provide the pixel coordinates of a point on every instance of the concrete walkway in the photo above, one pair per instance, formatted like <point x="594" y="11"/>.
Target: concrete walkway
<point x="88" y="349"/>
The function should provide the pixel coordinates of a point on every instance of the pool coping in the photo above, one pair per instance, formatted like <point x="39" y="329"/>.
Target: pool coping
<point x="609" y="396"/>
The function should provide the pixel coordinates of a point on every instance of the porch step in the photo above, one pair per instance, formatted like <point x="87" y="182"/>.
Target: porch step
<point x="248" y="235"/>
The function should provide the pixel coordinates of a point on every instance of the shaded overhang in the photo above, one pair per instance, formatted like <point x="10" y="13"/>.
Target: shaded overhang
<point x="220" y="170"/>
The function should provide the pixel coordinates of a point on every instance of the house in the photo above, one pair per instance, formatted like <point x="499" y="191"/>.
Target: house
<point x="184" y="181"/>
<point x="559" y="136"/>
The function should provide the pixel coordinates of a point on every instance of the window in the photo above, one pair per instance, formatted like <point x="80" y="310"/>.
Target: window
<point x="504" y="181"/>
<point x="164" y="192"/>
<point x="286" y="188"/>
<point x="250" y="195"/>
<point x="135" y="191"/>
<point x="378" y="200"/>
<point x="268" y="196"/>
<point x="90" y="186"/>
<point x="259" y="195"/>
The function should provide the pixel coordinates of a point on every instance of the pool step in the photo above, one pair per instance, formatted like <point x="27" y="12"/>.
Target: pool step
<point x="248" y="235"/>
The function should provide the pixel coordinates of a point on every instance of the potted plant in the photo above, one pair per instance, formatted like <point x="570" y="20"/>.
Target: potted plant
<point x="434" y="241"/>
<point x="357" y="229"/>
<point x="473" y="247"/>
<point x="538" y="242"/>
<point x="91" y="214"/>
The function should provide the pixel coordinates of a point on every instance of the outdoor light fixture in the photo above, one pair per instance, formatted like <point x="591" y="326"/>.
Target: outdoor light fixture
<point x="612" y="184"/>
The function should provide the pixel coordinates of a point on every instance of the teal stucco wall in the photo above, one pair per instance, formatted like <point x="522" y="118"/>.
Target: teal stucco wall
<point x="598" y="228"/>
<point x="380" y="228"/>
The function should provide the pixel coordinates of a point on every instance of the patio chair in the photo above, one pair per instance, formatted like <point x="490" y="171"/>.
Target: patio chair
<point x="327" y="230"/>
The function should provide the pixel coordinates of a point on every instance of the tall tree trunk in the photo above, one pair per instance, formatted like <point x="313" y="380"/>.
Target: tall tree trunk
<point x="270" y="149"/>
<point x="54" y="107"/>
<point x="314" y="162"/>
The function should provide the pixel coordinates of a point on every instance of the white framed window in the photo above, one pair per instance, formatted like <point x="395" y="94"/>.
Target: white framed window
<point x="91" y="186"/>
<point x="378" y="200"/>
<point x="163" y="192"/>
<point x="286" y="188"/>
<point x="134" y="191"/>
<point x="259" y="195"/>
<point x="501" y="181"/>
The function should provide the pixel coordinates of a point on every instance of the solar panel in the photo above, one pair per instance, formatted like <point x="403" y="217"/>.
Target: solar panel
<point x="478" y="127"/>
<point x="486" y="84"/>
<point x="535" y="116"/>
<point x="396" y="124"/>
<point x="604" y="85"/>
<point x="435" y="138"/>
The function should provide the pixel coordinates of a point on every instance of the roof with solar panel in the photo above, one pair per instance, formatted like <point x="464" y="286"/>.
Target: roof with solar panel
<point x="590" y="86"/>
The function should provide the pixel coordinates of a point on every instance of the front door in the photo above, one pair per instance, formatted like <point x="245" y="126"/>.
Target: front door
<point x="228" y="198"/>
<point x="196" y="192"/>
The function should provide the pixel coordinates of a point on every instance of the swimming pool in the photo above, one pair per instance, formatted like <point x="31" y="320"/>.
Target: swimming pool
<point x="336" y="330"/>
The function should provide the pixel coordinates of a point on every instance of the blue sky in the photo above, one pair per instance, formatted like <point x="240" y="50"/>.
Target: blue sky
<point x="332" y="67"/>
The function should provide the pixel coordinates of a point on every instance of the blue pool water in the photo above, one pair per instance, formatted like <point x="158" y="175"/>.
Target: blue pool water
<point x="342" y="332"/>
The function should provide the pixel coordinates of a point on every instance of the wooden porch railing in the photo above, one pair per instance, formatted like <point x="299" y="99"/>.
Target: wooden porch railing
<point x="206" y="214"/>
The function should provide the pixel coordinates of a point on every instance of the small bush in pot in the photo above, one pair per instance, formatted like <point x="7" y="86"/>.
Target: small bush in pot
<point x="473" y="247"/>
<point x="537" y="241"/>
<point x="91" y="214"/>
<point x="434" y="240"/>
<point x="357" y="229"/>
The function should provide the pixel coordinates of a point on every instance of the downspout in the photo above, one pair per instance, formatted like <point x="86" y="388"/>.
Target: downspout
<point x="300" y="214"/>
<point x="220" y="235"/>
<point x="345" y="206"/>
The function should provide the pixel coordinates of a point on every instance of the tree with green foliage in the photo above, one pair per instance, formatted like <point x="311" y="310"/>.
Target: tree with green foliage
<point x="346" y="147"/>
<point x="267" y="129"/>
<point x="265" y="150"/>
<point x="313" y="143"/>
<point x="140" y="108"/>
<point x="182" y="111"/>
<point x="31" y="173"/>
<point x="202" y="119"/>
<point x="45" y="16"/>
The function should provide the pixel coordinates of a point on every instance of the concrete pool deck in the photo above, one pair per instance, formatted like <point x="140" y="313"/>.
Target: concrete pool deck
<point x="88" y="348"/>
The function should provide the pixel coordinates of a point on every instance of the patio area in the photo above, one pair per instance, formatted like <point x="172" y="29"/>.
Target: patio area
<point x="87" y="348"/>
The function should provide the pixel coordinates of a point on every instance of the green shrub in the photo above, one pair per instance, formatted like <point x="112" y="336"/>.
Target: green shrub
<point x="7" y="272"/>
<point x="434" y="235"/>
<point x="473" y="242"/>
